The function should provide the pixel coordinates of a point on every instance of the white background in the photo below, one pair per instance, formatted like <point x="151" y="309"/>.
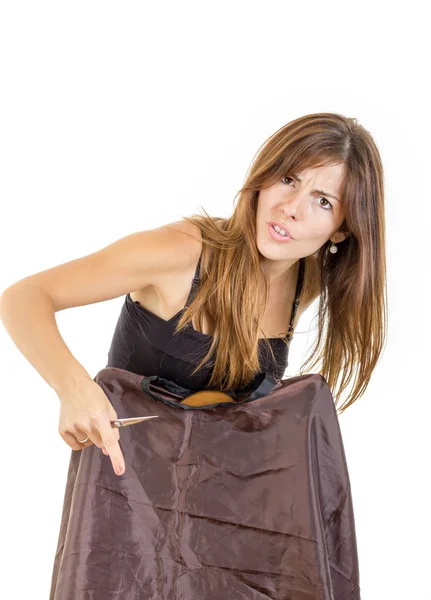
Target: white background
<point x="122" y="116"/>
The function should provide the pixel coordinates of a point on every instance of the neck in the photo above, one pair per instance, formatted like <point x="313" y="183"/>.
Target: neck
<point x="281" y="273"/>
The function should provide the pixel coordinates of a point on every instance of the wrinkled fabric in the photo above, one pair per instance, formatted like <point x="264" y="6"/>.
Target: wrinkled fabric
<point x="248" y="502"/>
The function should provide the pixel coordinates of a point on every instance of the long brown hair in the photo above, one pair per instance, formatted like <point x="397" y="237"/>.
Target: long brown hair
<point x="234" y="288"/>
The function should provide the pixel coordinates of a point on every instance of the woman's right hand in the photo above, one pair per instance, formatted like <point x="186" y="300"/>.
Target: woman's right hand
<point x="86" y="411"/>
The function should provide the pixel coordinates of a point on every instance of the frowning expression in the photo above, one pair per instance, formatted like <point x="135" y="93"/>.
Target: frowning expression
<point x="308" y="206"/>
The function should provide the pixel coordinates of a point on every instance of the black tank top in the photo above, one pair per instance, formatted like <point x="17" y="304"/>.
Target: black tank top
<point x="145" y="344"/>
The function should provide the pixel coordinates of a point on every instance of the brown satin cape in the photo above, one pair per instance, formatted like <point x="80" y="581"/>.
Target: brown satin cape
<point x="238" y="502"/>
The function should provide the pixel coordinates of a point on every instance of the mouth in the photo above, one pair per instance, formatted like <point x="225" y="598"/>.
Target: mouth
<point x="282" y="237"/>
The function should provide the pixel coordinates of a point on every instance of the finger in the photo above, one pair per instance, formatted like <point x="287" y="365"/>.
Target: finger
<point x="96" y="425"/>
<point x="80" y="435"/>
<point x="112" y="446"/>
<point x="71" y="440"/>
<point x="82" y="432"/>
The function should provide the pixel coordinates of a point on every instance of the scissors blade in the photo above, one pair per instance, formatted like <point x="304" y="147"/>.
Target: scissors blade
<point x="130" y="421"/>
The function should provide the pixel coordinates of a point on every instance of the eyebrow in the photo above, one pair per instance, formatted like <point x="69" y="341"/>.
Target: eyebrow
<point x="320" y="192"/>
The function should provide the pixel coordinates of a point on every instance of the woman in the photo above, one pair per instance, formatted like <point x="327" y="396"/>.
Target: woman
<point x="320" y="179"/>
<point x="309" y="223"/>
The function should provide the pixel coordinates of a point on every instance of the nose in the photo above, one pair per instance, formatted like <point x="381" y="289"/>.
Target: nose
<point x="292" y="205"/>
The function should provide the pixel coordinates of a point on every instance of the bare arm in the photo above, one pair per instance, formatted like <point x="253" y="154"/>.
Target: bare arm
<point x="28" y="315"/>
<point x="28" y="307"/>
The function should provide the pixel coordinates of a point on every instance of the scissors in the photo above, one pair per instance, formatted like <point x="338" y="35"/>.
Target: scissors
<point x="131" y="421"/>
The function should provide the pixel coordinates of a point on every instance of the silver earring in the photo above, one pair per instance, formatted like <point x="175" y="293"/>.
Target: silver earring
<point x="333" y="248"/>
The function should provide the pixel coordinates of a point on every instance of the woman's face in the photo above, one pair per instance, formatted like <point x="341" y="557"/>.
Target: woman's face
<point x="312" y="218"/>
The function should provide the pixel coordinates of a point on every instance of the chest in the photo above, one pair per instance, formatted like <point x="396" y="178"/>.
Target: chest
<point x="166" y="301"/>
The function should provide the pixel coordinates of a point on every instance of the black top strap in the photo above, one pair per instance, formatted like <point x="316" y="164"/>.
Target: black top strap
<point x="195" y="282"/>
<point x="297" y="295"/>
<point x="195" y="279"/>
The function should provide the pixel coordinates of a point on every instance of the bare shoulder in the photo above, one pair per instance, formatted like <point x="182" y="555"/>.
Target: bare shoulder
<point x="182" y="245"/>
<point x="134" y="262"/>
<point x="192" y="237"/>
<point x="166" y="294"/>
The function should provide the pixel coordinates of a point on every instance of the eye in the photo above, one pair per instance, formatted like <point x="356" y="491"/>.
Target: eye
<point x="330" y="205"/>
<point x="327" y="207"/>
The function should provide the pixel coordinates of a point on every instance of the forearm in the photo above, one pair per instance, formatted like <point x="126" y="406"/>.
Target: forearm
<point x="28" y="316"/>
